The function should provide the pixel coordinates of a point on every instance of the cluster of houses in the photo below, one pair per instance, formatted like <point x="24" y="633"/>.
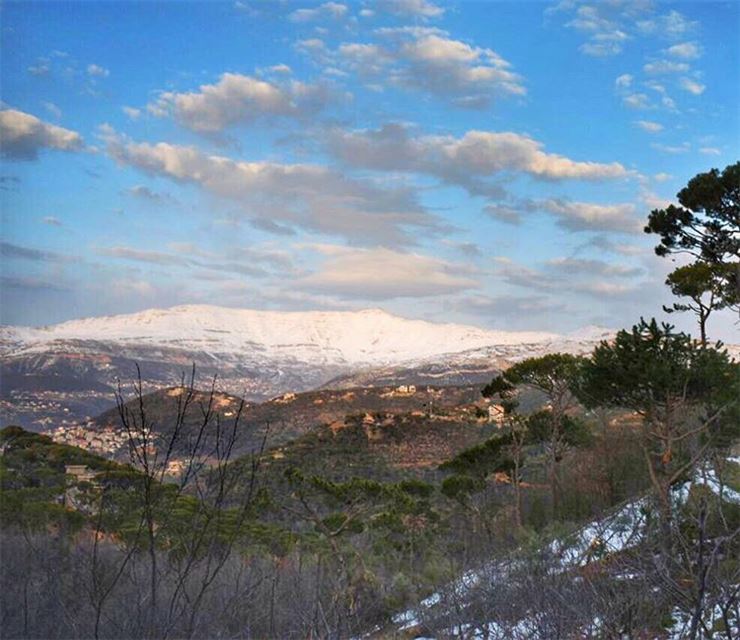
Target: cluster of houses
<point x="406" y="389"/>
<point x="39" y="410"/>
<point x="103" y="441"/>
<point x="83" y="486"/>
<point x="402" y="390"/>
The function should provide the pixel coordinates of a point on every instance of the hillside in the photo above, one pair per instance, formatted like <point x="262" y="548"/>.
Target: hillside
<point x="487" y="603"/>
<point x="284" y="418"/>
<point x="381" y="446"/>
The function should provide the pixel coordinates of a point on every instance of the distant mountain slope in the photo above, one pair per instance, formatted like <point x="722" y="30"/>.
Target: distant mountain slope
<point x="67" y="372"/>
<point x="323" y="337"/>
<point x="474" y="366"/>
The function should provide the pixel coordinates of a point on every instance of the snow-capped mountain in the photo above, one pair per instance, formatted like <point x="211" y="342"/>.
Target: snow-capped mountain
<point x="70" y="370"/>
<point x="332" y="337"/>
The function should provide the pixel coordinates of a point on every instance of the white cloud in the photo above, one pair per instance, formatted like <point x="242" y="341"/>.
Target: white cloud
<point x="97" y="71"/>
<point x="411" y="8"/>
<point x="692" y="86"/>
<point x="444" y="66"/>
<point x="604" y="289"/>
<point x="573" y="216"/>
<point x="145" y="193"/>
<point x="519" y="275"/>
<point x="685" y="50"/>
<point x="624" y="81"/>
<point x="609" y="25"/>
<point x="136" y="288"/>
<point x="52" y="221"/>
<point x="710" y="151"/>
<point x="365" y="58"/>
<point x="132" y="112"/>
<point x="427" y="60"/>
<point x="603" y="243"/>
<point x="521" y="312"/>
<point x="579" y="266"/>
<point x="485" y="153"/>
<point x="22" y="136"/>
<point x="315" y="47"/>
<point x="280" y="68"/>
<point x="310" y="196"/>
<point x="572" y="278"/>
<point x="652" y="200"/>
<point x="462" y="161"/>
<point x="333" y="10"/>
<point x="649" y="126"/>
<point x="584" y="216"/>
<point x="672" y="25"/>
<point x="604" y="44"/>
<point x="605" y="24"/>
<point x="17" y="252"/>
<point x="239" y="99"/>
<point x="636" y="101"/>
<point x="383" y="273"/>
<point x="589" y="18"/>
<point x="665" y="66"/>
<point x="655" y="86"/>
<point x="246" y="262"/>
<point x="140" y="255"/>
<point x="40" y="69"/>
<point x="672" y="149"/>
<point x="503" y="213"/>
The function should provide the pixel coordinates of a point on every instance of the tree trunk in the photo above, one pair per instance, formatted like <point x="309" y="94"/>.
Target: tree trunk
<point x="554" y="450"/>
<point x="701" y="574"/>
<point x="517" y="497"/>
<point x="662" y="497"/>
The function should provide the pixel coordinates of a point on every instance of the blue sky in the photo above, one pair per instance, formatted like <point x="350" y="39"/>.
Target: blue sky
<point x="481" y="162"/>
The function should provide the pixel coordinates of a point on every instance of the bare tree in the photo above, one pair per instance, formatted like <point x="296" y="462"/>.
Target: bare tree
<point x="215" y="501"/>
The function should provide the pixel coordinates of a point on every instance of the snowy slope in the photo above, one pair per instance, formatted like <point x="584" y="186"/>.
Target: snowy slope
<point x="339" y="337"/>
<point x="621" y="529"/>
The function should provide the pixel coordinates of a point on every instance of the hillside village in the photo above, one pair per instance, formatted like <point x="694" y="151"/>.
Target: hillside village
<point x="108" y="438"/>
<point x="108" y="441"/>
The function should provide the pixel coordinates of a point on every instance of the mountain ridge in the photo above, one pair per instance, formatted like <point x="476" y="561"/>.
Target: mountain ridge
<point x="369" y="336"/>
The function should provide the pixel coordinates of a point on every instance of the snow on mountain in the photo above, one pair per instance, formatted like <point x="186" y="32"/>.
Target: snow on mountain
<point x="75" y="366"/>
<point x="369" y="337"/>
<point x="590" y="333"/>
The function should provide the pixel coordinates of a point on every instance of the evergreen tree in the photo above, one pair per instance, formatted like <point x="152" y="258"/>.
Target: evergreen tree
<point x="707" y="224"/>
<point x="681" y="389"/>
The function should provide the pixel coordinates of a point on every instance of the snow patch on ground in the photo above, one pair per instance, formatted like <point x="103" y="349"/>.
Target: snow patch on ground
<point x="616" y="532"/>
